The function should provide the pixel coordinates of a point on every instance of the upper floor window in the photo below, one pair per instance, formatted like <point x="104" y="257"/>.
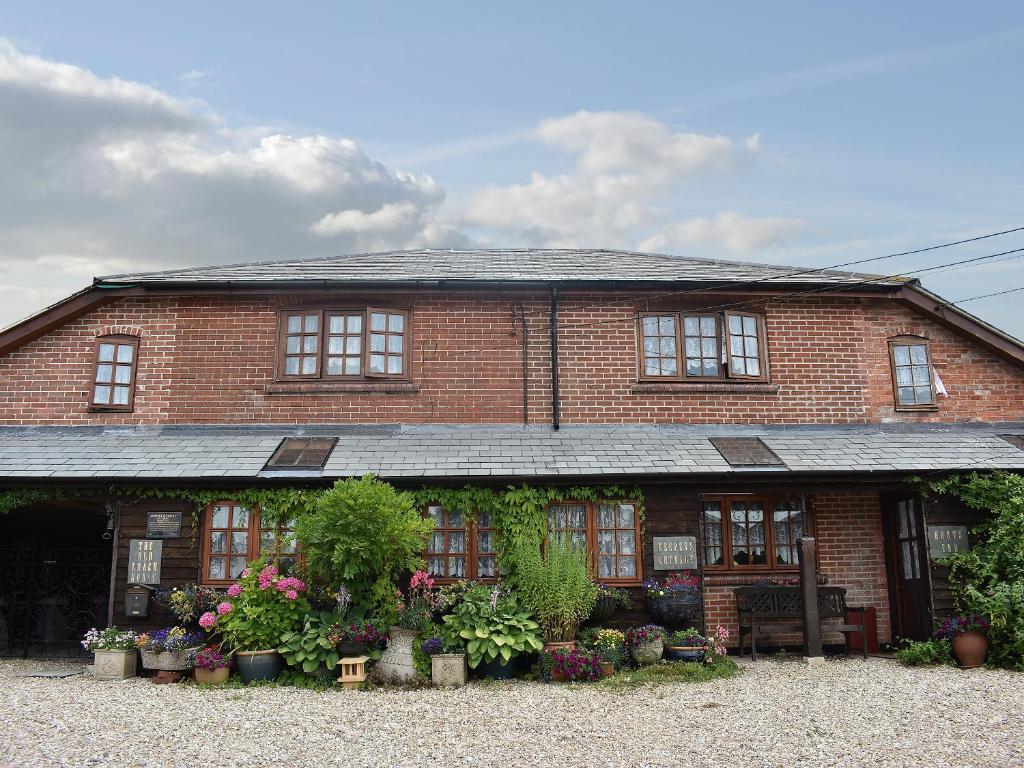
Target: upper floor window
<point x="460" y="548"/>
<point x="609" y="530"/>
<point x="680" y="345"/>
<point x="743" y="532"/>
<point x="913" y="383"/>
<point x="333" y="344"/>
<point x="234" y="535"/>
<point x="113" y="381"/>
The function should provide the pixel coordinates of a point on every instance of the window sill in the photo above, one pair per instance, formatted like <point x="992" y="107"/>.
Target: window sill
<point x="916" y="409"/>
<point x="682" y="387"/>
<point x="345" y="387"/>
<point x="109" y="409"/>
<point x="740" y="579"/>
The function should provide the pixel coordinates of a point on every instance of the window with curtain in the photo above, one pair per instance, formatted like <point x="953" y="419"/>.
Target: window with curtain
<point x="679" y="346"/>
<point x="234" y="535"/>
<point x="752" y="532"/>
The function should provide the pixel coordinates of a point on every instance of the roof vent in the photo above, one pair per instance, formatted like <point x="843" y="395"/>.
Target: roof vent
<point x="1017" y="440"/>
<point x="302" y="453"/>
<point x="745" y="452"/>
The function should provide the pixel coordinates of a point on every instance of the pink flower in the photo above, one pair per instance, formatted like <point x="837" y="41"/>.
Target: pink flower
<point x="291" y="594"/>
<point x="207" y="620"/>
<point x="234" y="590"/>
<point x="225" y="608"/>
<point x="421" y="579"/>
<point x="245" y="573"/>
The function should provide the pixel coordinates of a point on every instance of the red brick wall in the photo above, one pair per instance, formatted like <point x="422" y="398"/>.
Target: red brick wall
<point x="848" y="528"/>
<point x="211" y="359"/>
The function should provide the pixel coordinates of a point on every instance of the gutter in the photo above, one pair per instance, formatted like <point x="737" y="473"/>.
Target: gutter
<point x="555" y="404"/>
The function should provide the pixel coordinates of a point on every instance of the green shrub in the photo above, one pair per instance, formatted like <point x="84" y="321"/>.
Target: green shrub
<point x="363" y="534"/>
<point x="492" y="625"/>
<point x="989" y="579"/>
<point x="313" y="647"/>
<point x="925" y="653"/>
<point x="555" y="586"/>
<point x="665" y="672"/>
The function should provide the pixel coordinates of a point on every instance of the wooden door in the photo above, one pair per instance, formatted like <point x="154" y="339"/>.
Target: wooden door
<point x="906" y="563"/>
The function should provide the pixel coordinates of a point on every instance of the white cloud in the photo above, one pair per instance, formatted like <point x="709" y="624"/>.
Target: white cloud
<point x="624" y="163"/>
<point x="733" y="231"/>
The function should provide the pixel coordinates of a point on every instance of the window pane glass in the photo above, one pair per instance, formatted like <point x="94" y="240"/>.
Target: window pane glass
<point x="355" y="323"/>
<point x="456" y="567"/>
<point x="240" y="543"/>
<point x="125" y="353"/>
<point x="627" y="542"/>
<point x="921" y="375"/>
<point x="216" y="570"/>
<point x="334" y="366"/>
<point x="337" y="324"/>
<point x="924" y="394"/>
<point x="437" y="543"/>
<point x="311" y="324"/>
<point x="749" y="326"/>
<point x="123" y="374"/>
<point x="378" y="321"/>
<point x="738" y="365"/>
<point x="627" y="567"/>
<point x="335" y="345"/>
<point x="291" y="366"/>
<point x="626" y="515"/>
<point x="435" y="566"/>
<point x="918" y="354"/>
<point x="902" y="354"/>
<point x="735" y="325"/>
<point x="456" y="542"/>
<point x="485" y="541"/>
<point x="667" y="326"/>
<point x="218" y="541"/>
<point x="396" y="323"/>
<point x="668" y="366"/>
<point x="690" y="326"/>
<point x="668" y="346"/>
<point x="237" y="566"/>
<point x="267" y="542"/>
<point x="483" y="520"/>
<point x="394" y="363"/>
<point x="377" y="342"/>
<point x="707" y="326"/>
<point x="694" y="367"/>
<point x="652" y="366"/>
<point x="294" y="324"/>
<point x="351" y="366"/>
<point x="354" y="345"/>
<point x="106" y="353"/>
<point x="753" y="367"/>
<point x="903" y="376"/>
<point x="104" y="372"/>
<point x="309" y="343"/>
<point x="750" y="345"/>
<point x="240" y="518"/>
<point x="606" y="541"/>
<point x="606" y="567"/>
<point x="435" y="513"/>
<point x="309" y="365"/>
<point x="102" y="395"/>
<point x="606" y="515"/>
<point x="736" y="345"/>
<point x="120" y="395"/>
<point x="220" y="517"/>
<point x="485" y="567"/>
<point x="906" y="395"/>
<point x="693" y="347"/>
<point x="650" y="325"/>
<point x="456" y="519"/>
<point x="395" y="344"/>
<point x="710" y="368"/>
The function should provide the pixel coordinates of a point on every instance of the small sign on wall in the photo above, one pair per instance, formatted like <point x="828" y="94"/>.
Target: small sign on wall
<point x="946" y="540"/>
<point x="144" y="561"/>
<point x="675" y="553"/>
<point x="163" y="525"/>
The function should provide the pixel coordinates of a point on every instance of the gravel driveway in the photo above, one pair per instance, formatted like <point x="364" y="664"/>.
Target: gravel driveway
<point x="778" y="713"/>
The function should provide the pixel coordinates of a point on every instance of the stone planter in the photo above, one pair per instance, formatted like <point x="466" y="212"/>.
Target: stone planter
<point x="168" y="661"/>
<point x="115" y="665"/>
<point x="212" y="676"/>
<point x="448" y="669"/>
<point x="396" y="663"/>
<point x="649" y="653"/>
<point x="970" y="649"/>
<point x="259" y="665"/>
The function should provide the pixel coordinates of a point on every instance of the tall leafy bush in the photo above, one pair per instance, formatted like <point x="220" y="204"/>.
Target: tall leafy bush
<point x="362" y="533"/>
<point x="555" y="586"/>
<point x="989" y="579"/>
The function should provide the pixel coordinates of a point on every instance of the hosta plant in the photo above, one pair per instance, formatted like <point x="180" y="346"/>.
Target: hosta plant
<point x="492" y="625"/>
<point x="314" y="646"/>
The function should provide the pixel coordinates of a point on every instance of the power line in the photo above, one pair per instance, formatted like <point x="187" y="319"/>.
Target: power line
<point x="986" y="296"/>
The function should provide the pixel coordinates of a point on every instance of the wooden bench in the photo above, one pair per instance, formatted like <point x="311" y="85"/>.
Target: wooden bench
<point x="761" y="605"/>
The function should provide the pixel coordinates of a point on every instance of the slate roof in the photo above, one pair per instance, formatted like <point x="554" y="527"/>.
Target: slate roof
<point x="477" y="452"/>
<point x="499" y="265"/>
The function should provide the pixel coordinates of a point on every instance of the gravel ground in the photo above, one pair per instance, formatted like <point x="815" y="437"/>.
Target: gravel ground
<point x="778" y="713"/>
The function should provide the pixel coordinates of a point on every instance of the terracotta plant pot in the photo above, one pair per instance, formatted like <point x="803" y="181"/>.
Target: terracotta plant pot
<point x="607" y="668"/>
<point x="558" y="675"/>
<point x="568" y="645"/>
<point x="259" y="665"/>
<point x="212" y="676"/>
<point x="970" y="649"/>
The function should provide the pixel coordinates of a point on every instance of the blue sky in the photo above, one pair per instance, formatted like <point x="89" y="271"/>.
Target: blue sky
<point x="802" y="133"/>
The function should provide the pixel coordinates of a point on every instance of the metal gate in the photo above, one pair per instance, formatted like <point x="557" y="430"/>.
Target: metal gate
<point x="50" y="596"/>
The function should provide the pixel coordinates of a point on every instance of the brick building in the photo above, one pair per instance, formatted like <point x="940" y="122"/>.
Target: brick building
<point x="749" y="404"/>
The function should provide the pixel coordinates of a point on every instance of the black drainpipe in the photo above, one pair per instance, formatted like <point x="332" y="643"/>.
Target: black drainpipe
<point x="555" y="405"/>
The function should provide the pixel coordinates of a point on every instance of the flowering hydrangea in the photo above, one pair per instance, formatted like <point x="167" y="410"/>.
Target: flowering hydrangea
<point x="266" y="576"/>
<point x="208" y="620"/>
<point x="289" y="584"/>
<point x="234" y="590"/>
<point x="224" y="608"/>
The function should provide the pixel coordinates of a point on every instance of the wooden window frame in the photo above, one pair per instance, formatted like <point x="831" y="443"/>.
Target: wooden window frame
<point x="116" y="340"/>
<point x="725" y="373"/>
<point x="282" y="344"/>
<point x="594" y="544"/>
<point x="472" y="553"/>
<point x="324" y="313"/>
<point x="725" y="501"/>
<point x="719" y="371"/>
<point x="254" y="529"/>
<point x="912" y="341"/>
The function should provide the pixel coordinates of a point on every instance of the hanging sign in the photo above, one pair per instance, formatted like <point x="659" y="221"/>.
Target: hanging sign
<point x="163" y="525"/>
<point x="946" y="540"/>
<point x="675" y="553"/>
<point x="144" y="561"/>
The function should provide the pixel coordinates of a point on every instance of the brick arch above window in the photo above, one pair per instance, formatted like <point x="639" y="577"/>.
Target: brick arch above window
<point x="120" y="330"/>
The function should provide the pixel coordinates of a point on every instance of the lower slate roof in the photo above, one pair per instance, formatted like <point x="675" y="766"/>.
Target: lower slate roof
<point x="457" y="451"/>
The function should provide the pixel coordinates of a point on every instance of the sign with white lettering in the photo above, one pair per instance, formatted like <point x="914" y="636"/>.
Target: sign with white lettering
<point x="144" y="561"/>
<point x="675" y="553"/>
<point x="946" y="540"/>
<point x="163" y="525"/>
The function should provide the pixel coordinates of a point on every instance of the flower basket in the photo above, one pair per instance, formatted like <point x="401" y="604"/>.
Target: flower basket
<point x="168" y="661"/>
<point x="603" y="609"/>
<point x="674" y="610"/>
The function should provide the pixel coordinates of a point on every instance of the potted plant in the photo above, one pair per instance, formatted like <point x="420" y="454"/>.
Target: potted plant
<point x="555" y="587"/>
<point x="573" y="665"/>
<point x="968" y="635"/>
<point x="494" y="629"/>
<point x="447" y="663"/>
<point x="115" y="652"/>
<point x="211" y="667"/>
<point x="358" y="638"/>
<point x="609" y="644"/>
<point x="187" y="602"/>
<point x="260" y="608"/>
<point x="608" y="600"/>
<point x="170" y="649"/>
<point x="686" y="645"/>
<point x="646" y="643"/>
<point x="414" y="614"/>
<point x="675" y="600"/>
<point x="313" y="648"/>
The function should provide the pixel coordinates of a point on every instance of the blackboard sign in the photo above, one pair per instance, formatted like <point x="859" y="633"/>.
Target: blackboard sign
<point x="163" y="525"/>
<point x="675" y="553"/>
<point x="946" y="540"/>
<point x="144" y="561"/>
